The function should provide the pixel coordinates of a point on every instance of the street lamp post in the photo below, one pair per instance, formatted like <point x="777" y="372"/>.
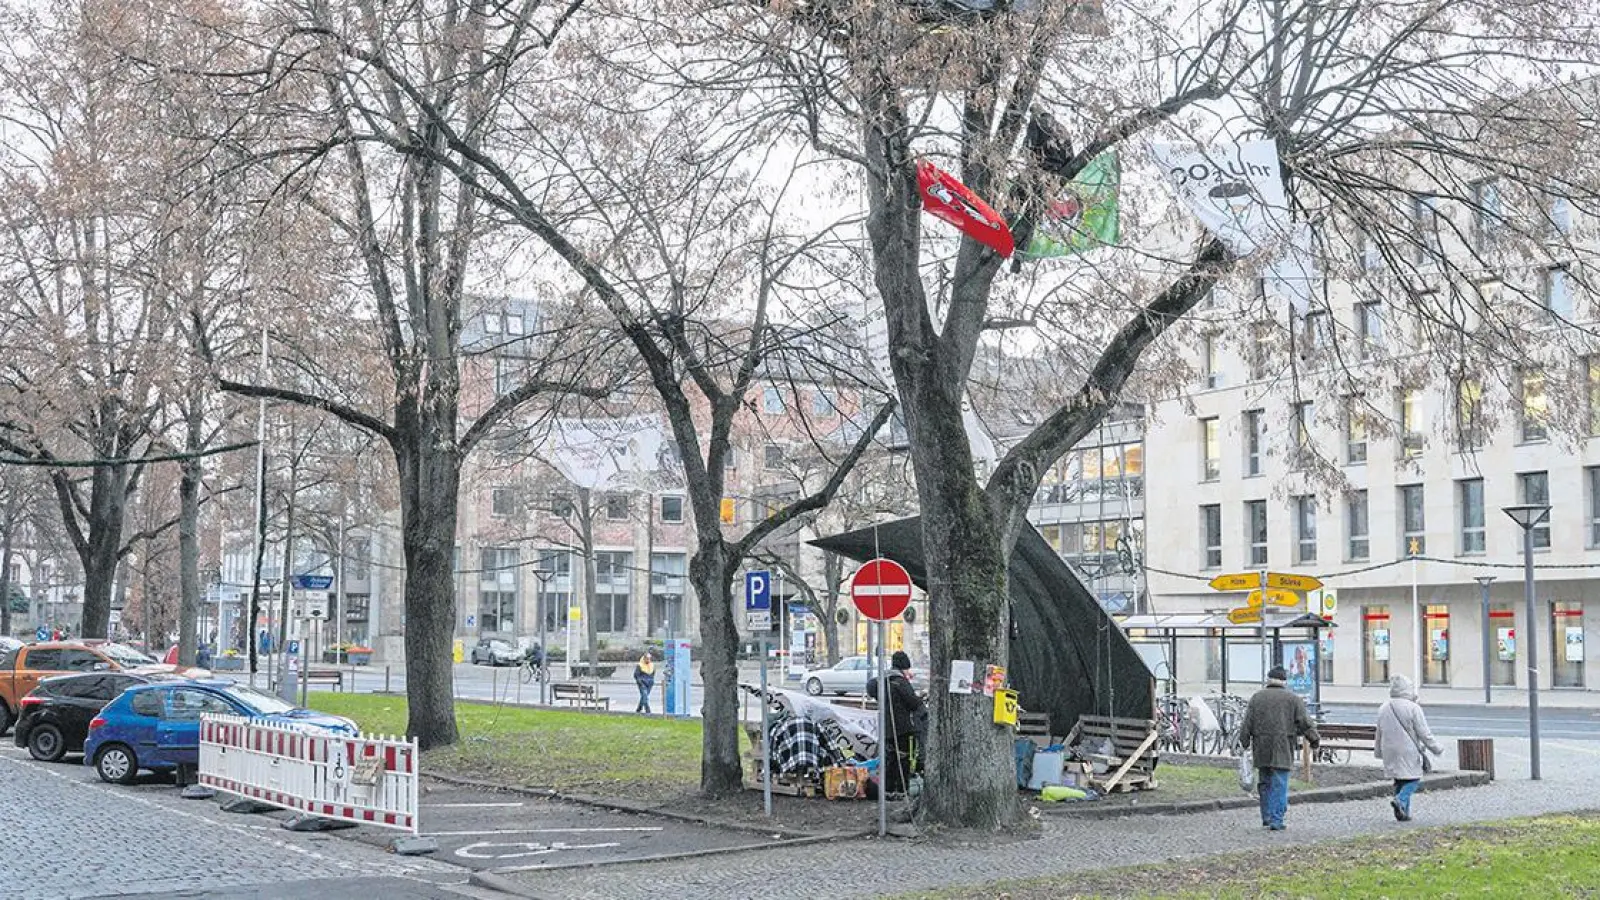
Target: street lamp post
<point x="544" y="575"/>
<point x="1484" y="581"/>
<point x="1529" y="515"/>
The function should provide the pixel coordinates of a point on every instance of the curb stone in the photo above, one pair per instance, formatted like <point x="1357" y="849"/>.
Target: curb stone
<point x="1363" y="791"/>
<point x="503" y="885"/>
<point x="627" y="806"/>
<point x="687" y="854"/>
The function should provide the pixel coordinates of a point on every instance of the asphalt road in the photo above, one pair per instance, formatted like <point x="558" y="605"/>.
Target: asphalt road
<point x="1488" y="722"/>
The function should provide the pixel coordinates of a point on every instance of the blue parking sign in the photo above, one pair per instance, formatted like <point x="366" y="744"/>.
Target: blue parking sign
<point x="41" y="633"/>
<point x="757" y="590"/>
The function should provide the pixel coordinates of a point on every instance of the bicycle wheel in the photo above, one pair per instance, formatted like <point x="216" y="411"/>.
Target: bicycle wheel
<point x="527" y="673"/>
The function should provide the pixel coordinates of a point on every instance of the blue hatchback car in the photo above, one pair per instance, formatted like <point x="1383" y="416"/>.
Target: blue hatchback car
<point x="157" y="726"/>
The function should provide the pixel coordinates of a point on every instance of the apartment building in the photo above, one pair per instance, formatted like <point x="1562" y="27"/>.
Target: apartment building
<point x="1335" y="444"/>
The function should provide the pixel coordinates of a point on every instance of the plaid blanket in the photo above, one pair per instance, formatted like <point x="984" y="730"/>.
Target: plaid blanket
<point x="797" y="746"/>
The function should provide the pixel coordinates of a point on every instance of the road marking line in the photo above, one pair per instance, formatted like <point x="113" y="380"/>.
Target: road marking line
<point x="540" y="831"/>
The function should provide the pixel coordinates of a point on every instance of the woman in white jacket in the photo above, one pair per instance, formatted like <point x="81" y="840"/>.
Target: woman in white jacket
<point x="1403" y="734"/>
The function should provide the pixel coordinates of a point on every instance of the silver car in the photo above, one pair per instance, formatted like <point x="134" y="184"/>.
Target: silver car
<point x="847" y="676"/>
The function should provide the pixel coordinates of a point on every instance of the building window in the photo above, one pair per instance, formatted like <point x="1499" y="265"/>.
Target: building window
<point x="1211" y="448"/>
<point x="503" y="501"/>
<point x="1413" y="525"/>
<point x="772" y="400"/>
<point x="1359" y="545"/>
<point x="1487" y="213"/>
<point x="1260" y="350"/>
<point x="822" y="405"/>
<point x="497" y="589"/>
<point x="1371" y="252"/>
<point x="1305" y="528"/>
<point x="772" y="456"/>
<point x="1470" y="431"/>
<point x="1411" y="437"/>
<point x="1255" y="428"/>
<point x="1210" y="364"/>
<point x="1535" y="488"/>
<point x="1355" y="434"/>
<point x="1503" y="637"/>
<point x="1535" y="408"/>
<point x="1470" y="491"/>
<point x="1375" y="644"/>
<point x="1555" y="293"/>
<point x="1255" y="517"/>
<point x="1300" y="417"/>
<point x="1593" y="382"/>
<point x="672" y="509"/>
<point x="513" y="323"/>
<point x="1436" y="646"/>
<point x="1318" y="331"/>
<point x="1566" y="633"/>
<point x="1425" y="220"/>
<point x="616" y="507"/>
<point x="491" y="323"/>
<point x="1211" y="534"/>
<point x="1560" y="213"/>
<point x="667" y="572"/>
<point x="508" y="374"/>
<point x="613" y="585"/>
<point x="1369" y="328"/>
<point x="1593" y="476"/>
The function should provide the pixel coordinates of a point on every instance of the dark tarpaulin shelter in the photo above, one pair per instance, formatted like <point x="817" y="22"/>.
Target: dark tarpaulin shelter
<point x="1068" y="657"/>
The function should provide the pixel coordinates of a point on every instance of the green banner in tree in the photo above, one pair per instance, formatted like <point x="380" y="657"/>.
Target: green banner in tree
<point x="1086" y="213"/>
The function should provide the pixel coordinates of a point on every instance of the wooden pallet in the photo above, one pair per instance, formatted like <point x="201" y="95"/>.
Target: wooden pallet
<point x="1034" y="727"/>
<point x="1133" y="758"/>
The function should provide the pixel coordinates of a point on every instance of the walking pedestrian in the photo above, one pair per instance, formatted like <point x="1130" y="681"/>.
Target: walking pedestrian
<point x="1403" y="736"/>
<point x="1275" y="719"/>
<point x="644" y="675"/>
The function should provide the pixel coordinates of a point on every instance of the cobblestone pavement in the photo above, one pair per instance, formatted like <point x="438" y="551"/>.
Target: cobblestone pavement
<point x="64" y="834"/>
<point x="869" y="868"/>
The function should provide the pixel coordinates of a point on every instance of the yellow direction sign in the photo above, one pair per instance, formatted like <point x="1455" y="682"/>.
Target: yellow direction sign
<point x="1244" y="615"/>
<point x="1292" y="582"/>
<point x="1238" y="581"/>
<point x="1275" y="597"/>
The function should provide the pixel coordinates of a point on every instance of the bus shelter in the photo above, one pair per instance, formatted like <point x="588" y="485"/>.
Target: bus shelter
<point x="1291" y="638"/>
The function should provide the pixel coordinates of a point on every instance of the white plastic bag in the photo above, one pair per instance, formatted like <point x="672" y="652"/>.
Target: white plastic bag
<point x="1247" y="774"/>
<point x="1202" y="716"/>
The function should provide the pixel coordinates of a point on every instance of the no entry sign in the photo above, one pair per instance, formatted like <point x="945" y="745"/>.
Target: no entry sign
<point x="881" y="589"/>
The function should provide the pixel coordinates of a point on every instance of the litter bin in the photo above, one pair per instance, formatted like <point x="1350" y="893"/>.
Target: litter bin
<point x="1476" y="755"/>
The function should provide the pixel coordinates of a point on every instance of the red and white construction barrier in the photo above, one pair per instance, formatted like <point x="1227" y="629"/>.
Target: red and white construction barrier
<point x="368" y="780"/>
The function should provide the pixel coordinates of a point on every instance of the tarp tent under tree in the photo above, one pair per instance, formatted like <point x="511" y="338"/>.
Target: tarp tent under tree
<point x="1068" y="657"/>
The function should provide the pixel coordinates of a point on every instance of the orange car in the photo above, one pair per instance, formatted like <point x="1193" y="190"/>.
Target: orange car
<point x="22" y="669"/>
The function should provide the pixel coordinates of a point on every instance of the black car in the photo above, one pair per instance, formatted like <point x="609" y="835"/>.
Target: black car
<point x="54" y="718"/>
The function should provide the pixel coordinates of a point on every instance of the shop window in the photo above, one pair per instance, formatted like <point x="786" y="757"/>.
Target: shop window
<point x="1436" y="647"/>
<point x="1325" y="656"/>
<point x="1566" y="632"/>
<point x="1375" y="644"/>
<point x="1503" y="636"/>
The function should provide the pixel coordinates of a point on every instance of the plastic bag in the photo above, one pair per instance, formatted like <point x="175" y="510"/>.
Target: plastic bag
<point x="1247" y="774"/>
<point x="1202" y="716"/>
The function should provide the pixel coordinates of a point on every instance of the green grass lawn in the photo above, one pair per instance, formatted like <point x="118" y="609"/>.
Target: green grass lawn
<point x="1550" y="856"/>
<point x="1177" y="784"/>
<point x="565" y="750"/>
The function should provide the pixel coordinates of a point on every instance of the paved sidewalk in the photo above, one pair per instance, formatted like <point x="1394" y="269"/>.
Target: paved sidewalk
<point x="870" y="868"/>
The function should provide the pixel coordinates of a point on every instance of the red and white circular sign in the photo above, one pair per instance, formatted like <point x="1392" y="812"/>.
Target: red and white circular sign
<point x="881" y="589"/>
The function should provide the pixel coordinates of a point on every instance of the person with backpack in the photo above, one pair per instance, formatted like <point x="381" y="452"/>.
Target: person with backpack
<point x="907" y="721"/>
<point x="1403" y="736"/>
<point x="644" y="676"/>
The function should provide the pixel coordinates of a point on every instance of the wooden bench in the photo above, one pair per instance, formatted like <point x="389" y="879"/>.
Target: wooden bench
<point x="1337" y="736"/>
<point x="578" y="694"/>
<point x="1133" y="757"/>
<point x="325" y="676"/>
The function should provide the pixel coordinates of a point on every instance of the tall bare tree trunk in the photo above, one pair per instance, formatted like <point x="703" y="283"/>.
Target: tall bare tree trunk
<point x="189" y="538"/>
<point x="100" y="550"/>
<point x="8" y="529"/>
<point x="711" y="572"/>
<point x="832" y="576"/>
<point x="430" y="473"/>
<point x="590" y="587"/>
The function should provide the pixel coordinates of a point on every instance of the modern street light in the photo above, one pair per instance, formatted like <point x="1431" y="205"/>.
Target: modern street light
<point x="544" y="575"/>
<point x="1484" y="581"/>
<point x="1529" y="516"/>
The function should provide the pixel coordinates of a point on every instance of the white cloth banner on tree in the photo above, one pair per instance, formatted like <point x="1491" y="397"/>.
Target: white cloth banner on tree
<point x="1294" y="273"/>
<point x="1236" y="190"/>
<point x="603" y="454"/>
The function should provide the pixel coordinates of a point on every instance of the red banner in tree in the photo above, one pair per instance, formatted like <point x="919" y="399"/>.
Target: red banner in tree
<point x="948" y="199"/>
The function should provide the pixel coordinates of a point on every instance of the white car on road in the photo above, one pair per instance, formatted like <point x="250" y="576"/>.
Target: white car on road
<point x="848" y="676"/>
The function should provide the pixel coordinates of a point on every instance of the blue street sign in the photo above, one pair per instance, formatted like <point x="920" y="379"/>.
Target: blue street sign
<point x="757" y="590"/>
<point x="42" y="633"/>
<point x="312" y="582"/>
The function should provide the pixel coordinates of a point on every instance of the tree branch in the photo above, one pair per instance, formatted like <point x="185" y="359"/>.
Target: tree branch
<point x="348" y="413"/>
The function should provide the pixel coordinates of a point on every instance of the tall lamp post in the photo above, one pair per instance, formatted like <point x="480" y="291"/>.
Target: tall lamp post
<point x="1484" y="581"/>
<point x="544" y="575"/>
<point x="1529" y="516"/>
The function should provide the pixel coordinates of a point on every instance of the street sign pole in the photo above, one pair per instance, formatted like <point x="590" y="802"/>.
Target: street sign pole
<point x="883" y="733"/>
<point x="1266" y="653"/>
<point x="766" y="737"/>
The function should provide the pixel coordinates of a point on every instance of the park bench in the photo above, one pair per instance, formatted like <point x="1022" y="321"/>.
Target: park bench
<point x="1342" y="737"/>
<point x="325" y="676"/>
<point x="1131" y="765"/>
<point x="577" y="694"/>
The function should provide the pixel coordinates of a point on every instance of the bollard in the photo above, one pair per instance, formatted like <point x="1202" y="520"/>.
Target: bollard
<point x="386" y="679"/>
<point x="1476" y="755"/>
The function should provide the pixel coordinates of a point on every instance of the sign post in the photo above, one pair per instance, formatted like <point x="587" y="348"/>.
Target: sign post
<point x="766" y="737"/>
<point x="881" y="590"/>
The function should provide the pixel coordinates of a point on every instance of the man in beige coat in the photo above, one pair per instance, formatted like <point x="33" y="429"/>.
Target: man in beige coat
<point x="1402" y="734"/>
<point x="1273" y="721"/>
